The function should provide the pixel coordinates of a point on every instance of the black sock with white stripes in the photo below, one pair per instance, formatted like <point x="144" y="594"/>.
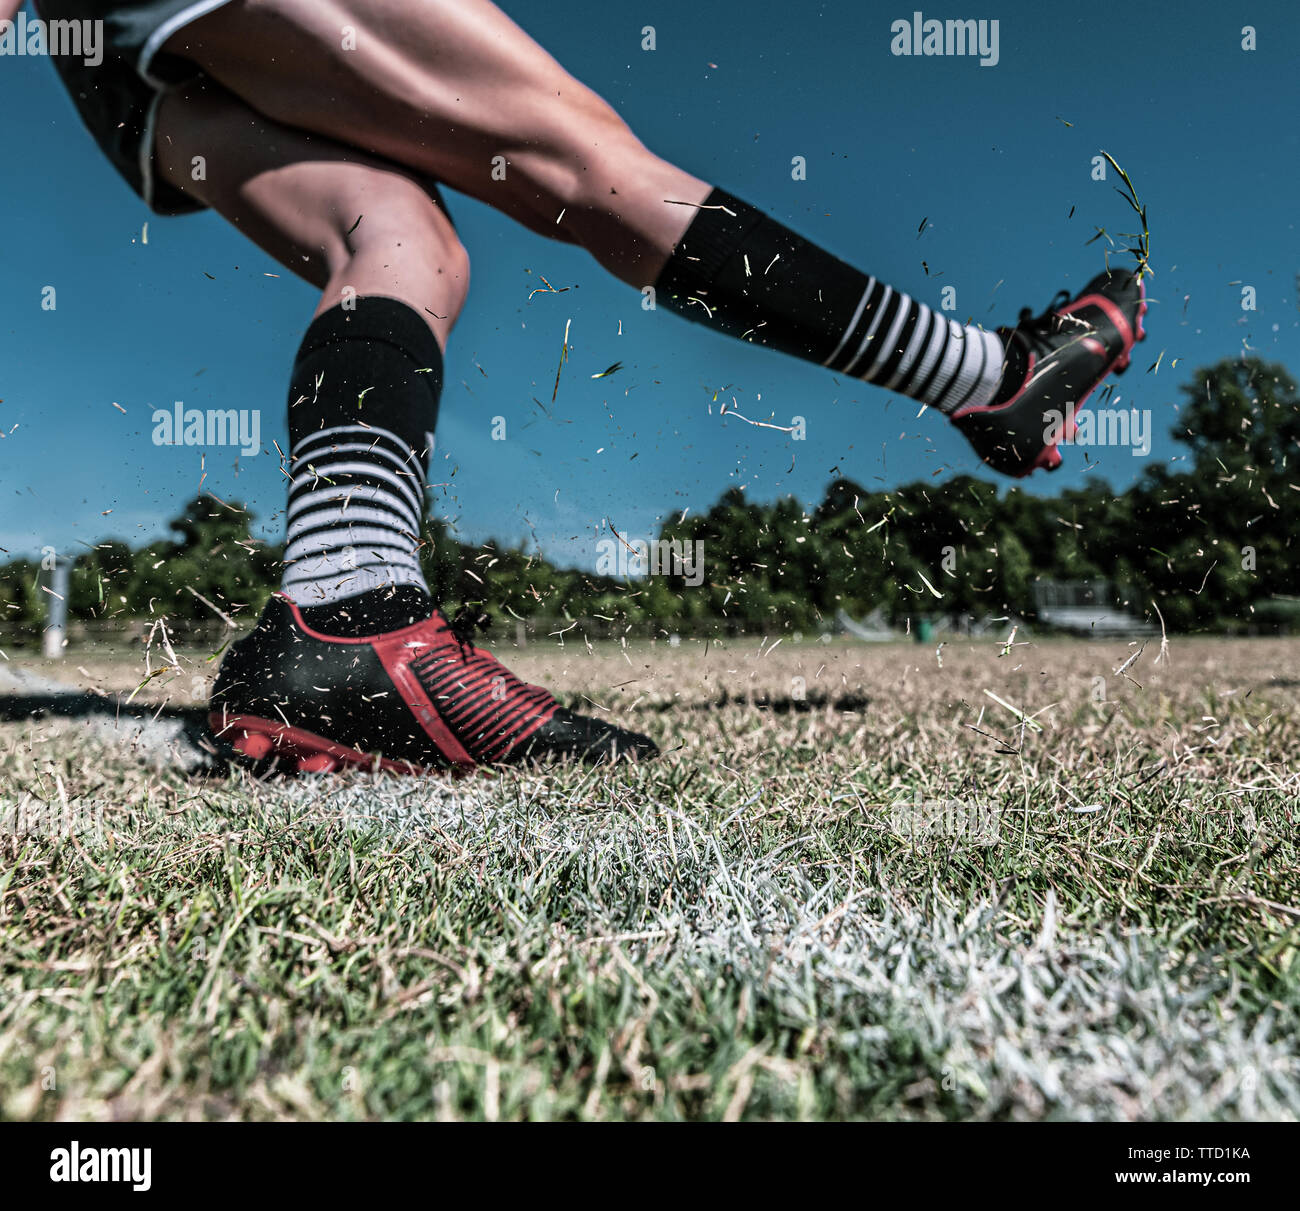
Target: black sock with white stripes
<point x="363" y="404"/>
<point x="751" y="277"/>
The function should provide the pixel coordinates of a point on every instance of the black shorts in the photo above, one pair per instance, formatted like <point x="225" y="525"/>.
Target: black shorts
<point x="118" y="98"/>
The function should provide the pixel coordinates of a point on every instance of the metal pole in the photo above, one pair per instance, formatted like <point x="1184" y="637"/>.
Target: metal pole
<point x="56" y="622"/>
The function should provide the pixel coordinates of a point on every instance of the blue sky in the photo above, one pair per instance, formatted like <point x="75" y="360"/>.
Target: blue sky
<point x="1206" y="130"/>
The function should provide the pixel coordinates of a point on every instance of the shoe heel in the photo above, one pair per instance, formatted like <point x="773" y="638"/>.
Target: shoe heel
<point x="1049" y="459"/>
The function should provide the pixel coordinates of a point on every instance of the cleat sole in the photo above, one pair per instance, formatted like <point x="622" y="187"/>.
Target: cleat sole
<point x="258" y="739"/>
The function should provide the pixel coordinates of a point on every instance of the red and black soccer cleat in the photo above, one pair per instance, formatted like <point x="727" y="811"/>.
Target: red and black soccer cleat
<point x="408" y="701"/>
<point x="1054" y="362"/>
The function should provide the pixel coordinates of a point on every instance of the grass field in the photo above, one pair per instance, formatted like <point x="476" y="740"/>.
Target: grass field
<point x="858" y="884"/>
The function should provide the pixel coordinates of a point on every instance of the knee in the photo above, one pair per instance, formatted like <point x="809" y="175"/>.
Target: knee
<point x="605" y="169"/>
<point x="395" y="217"/>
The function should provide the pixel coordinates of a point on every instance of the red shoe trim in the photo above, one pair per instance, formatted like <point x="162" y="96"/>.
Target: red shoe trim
<point x="971" y="409"/>
<point x="1113" y="313"/>
<point x="303" y="745"/>
<point x="513" y="742"/>
<point x="405" y="631"/>
<point x="503" y="714"/>
<point x="395" y="650"/>
<point x="393" y="653"/>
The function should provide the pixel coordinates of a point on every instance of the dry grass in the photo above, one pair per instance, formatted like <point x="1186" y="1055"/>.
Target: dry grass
<point x="751" y="927"/>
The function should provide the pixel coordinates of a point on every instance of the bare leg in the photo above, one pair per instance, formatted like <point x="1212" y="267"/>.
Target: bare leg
<point x="444" y="87"/>
<point x="299" y="197"/>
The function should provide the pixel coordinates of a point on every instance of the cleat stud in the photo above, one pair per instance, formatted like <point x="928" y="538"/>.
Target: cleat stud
<point x="253" y="745"/>
<point x="317" y="763"/>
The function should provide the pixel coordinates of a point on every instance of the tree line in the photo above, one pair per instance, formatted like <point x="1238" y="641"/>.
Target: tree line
<point x="1207" y="539"/>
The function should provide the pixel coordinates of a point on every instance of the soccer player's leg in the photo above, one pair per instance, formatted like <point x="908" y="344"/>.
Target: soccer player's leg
<point x="351" y="663"/>
<point x="456" y="89"/>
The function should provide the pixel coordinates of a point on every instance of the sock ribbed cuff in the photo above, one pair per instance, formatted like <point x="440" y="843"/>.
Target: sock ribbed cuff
<point x="719" y="228"/>
<point x="374" y="612"/>
<point x="377" y="362"/>
<point x="375" y="317"/>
